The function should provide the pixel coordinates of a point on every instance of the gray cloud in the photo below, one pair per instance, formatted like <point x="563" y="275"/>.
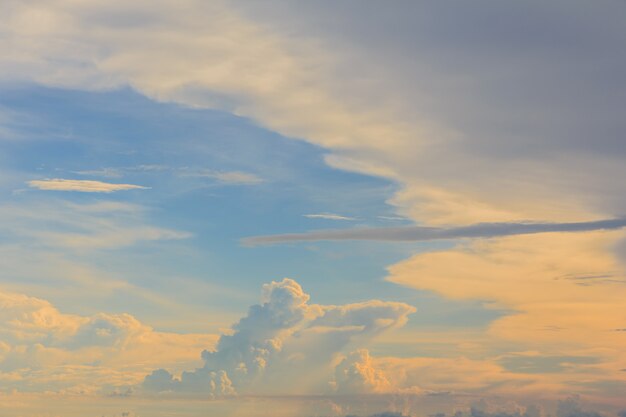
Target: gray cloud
<point x="571" y="407"/>
<point x="328" y="216"/>
<point x="544" y="364"/>
<point x="421" y="233"/>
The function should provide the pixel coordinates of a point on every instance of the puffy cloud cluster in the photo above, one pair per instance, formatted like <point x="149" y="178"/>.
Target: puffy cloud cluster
<point x="356" y="373"/>
<point x="42" y="349"/>
<point x="201" y="381"/>
<point x="286" y="343"/>
<point x="27" y="320"/>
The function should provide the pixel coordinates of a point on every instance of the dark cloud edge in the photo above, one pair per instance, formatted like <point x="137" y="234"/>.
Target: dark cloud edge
<point x="422" y="233"/>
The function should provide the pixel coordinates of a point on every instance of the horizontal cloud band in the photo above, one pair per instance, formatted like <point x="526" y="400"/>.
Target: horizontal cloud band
<point x="420" y="233"/>
<point x="83" y="186"/>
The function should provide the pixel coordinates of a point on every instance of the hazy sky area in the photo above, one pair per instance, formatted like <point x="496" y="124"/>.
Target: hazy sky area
<point x="312" y="208"/>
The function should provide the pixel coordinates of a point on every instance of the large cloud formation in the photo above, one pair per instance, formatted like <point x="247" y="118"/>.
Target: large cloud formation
<point x="474" y="115"/>
<point x="426" y="125"/>
<point x="286" y="343"/>
<point x="275" y="348"/>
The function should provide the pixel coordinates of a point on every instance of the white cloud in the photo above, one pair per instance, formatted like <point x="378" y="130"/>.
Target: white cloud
<point x="284" y="344"/>
<point x="356" y="374"/>
<point x="85" y="186"/>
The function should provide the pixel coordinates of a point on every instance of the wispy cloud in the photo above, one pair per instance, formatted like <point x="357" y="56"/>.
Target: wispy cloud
<point x="392" y="218"/>
<point x="118" y="172"/>
<point x="226" y="177"/>
<point x="103" y="172"/>
<point x="419" y="233"/>
<point x="82" y="227"/>
<point x="85" y="186"/>
<point x="328" y="216"/>
<point x="237" y="177"/>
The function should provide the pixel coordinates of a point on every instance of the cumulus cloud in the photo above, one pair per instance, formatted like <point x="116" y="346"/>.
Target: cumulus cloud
<point x="418" y="233"/>
<point x="43" y="349"/>
<point x="285" y="342"/>
<point x="356" y="373"/>
<point x="84" y="186"/>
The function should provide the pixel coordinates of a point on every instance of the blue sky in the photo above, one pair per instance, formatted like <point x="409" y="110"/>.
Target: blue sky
<point x="120" y="136"/>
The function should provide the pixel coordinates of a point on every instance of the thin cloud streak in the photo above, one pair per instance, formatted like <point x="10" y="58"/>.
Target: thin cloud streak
<point x="420" y="233"/>
<point x="328" y="216"/>
<point x="84" y="186"/>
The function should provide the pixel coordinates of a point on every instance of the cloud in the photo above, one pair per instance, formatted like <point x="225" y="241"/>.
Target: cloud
<point x="571" y="407"/>
<point x="561" y="295"/>
<point x="200" y="381"/>
<point x="286" y="342"/>
<point x="103" y="172"/>
<point x="237" y="177"/>
<point x="328" y="216"/>
<point x="543" y="364"/>
<point x="418" y="233"/>
<point x="356" y="374"/>
<point x="515" y="153"/>
<point x="44" y="349"/>
<point x="105" y="224"/>
<point x="225" y="177"/>
<point x="288" y="74"/>
<point x="85" y="186"/>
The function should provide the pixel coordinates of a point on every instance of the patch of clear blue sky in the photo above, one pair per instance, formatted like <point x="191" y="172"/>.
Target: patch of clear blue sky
<point x="59" y="133"/>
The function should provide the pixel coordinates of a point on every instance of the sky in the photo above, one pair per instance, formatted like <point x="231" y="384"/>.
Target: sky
<point x="312" y="209"/>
